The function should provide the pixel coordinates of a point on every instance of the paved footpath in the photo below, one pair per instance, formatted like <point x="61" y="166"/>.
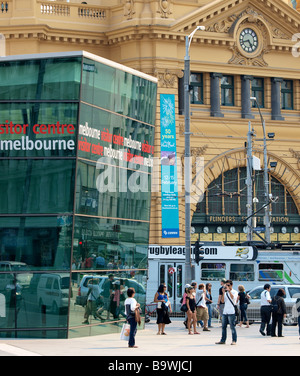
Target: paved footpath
<point x="177" y="342"/>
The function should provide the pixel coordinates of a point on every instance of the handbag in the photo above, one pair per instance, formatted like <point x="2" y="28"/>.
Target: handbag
<point x="137" y="314"/>
<point x="184" y="308"/>
<point x="236" y="310"/>
<point x="125" y="332"/>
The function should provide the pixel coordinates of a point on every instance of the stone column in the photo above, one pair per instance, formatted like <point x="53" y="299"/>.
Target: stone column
<point x="246" y="102"/>
<point x="215" y="109"/>
<point x="276" y="98"/>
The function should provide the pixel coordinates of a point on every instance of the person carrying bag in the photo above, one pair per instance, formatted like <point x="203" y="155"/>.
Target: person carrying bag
<point x="131" y="306"/>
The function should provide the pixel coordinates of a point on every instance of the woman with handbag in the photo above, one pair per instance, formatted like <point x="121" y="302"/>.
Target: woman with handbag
<point x="131" y="306"/>
<point x="163" y="309"/>
<point x="278" y="312"/>
<point x="243" y="299"/>
<point x="191" y="313"/>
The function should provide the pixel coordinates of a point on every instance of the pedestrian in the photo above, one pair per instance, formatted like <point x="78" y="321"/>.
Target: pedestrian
<point x="278" y="312"/>
<point x="163" y="308"/>
<point x="93" y="297"/>
<point x="209" y="301"/>
<point x="130" y="306"/>
<point x="220" y="305"/>
<point x="229" y="299"/>
<point x="107" y="292"/>
<point x="201" y="308"/>
<point x="243" y="299"/>
<point x="192" y="317"/>
<point x="183" y="301"/>
<point x="265" y="310"/>
<point x="298" y="311"/>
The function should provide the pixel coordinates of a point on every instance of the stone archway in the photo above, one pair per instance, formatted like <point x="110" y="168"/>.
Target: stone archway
<point x="229" y="160"/>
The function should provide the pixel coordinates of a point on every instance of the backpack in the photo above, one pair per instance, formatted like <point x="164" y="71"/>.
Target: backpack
<point x="274" y="305"/>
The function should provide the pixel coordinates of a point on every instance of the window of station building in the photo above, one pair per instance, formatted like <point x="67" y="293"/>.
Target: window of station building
<point x="226" y="195"/>
<point x="196" y="85"/>
<point x="241" y="272"/>
<point x="287" y="95"/>
<point x="213" y="271"/>
<point x="257" y="91"/>
<point x="270" y="272"/>
<point x="227" y="91"/>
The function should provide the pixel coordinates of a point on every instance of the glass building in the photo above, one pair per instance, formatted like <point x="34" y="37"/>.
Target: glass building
<point x="76" y="156"/>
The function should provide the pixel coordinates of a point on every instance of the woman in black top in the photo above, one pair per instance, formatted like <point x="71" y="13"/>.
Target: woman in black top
<point x="242" y="298"/>
<point x="278" y="313"/>
<point x="191" y="313"/>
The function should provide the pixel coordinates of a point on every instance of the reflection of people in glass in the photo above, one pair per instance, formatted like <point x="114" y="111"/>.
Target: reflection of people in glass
<point x="93" y="298"/>
<point x="107" y="291"/>
<point x="116" y="297"/>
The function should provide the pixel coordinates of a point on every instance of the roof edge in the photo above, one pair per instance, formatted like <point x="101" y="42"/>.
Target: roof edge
<point x="85" y="54"/>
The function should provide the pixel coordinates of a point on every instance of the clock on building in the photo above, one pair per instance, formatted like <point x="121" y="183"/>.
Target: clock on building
<point x="232" y="229"/>
<point x="248" y="40"/>
<point x="206" y="230"/>
<point x="219" y="230"/>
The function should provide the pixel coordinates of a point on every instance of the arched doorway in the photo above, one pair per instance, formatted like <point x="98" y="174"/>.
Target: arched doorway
<point x="221" y="214"/>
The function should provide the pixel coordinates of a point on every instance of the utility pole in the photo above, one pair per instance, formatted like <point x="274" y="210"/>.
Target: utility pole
<point x="266" y="178"/>
<point x="249" y="183"/>
<point x="187" y="156"/>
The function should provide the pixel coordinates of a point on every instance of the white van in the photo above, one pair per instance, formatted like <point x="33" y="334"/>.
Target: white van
<point x="53" y="291"/>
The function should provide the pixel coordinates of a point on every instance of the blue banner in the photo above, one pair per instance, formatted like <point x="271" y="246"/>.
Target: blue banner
<point x="169" y="182"/>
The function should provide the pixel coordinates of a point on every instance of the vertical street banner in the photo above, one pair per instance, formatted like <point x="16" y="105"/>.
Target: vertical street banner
<point x="169" y="181"/>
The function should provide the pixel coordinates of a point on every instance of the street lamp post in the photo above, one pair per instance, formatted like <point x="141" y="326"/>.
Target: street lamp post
<point x="187" y="155"/>
<point x="266" y="177"/>
<point x="249" y="183"/>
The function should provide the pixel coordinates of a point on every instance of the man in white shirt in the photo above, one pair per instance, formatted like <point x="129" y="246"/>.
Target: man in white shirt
<point x="265" y="310"/>
<point x="229" y="299"/>
<point x="201" y="308"/>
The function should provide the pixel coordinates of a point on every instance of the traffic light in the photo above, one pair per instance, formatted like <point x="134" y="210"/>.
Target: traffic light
<point x="197" y="252"/>
<point x="80" y="246"/>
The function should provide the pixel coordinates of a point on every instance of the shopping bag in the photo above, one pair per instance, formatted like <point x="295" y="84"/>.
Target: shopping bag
<point x="125" y="332"/>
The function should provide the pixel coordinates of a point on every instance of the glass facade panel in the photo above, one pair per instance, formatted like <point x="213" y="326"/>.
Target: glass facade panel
<point x="40" y="79"/>
<point x="109" y="289"/>
<point x="75" y="194"/>
<point x="38" y="129"/>
<point x="42" y="243"/>
<point x="32" y="301"/>
<point x="36" y="186"/>
<point x="118" y="91"/>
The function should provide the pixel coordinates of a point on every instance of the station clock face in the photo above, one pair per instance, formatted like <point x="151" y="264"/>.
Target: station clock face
<point x="232" y="229"/>
<point x="248" y="40"/>
<point x="219" y="230"/>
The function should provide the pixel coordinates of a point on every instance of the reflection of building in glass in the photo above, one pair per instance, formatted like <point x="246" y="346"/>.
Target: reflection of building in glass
<point x="75" y="192"/>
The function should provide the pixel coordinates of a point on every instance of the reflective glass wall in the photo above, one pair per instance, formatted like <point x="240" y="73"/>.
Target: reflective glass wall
<point x="76" y="152"/>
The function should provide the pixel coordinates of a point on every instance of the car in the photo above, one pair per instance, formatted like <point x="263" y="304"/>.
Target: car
<point x="53" y="291"/>
<point x="253" y="310"/>
<point x="23" y="276"/>
<point x="140" y="291"/>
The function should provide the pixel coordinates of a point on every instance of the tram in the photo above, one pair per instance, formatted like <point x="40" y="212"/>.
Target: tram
<point x="245" y="266"/>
